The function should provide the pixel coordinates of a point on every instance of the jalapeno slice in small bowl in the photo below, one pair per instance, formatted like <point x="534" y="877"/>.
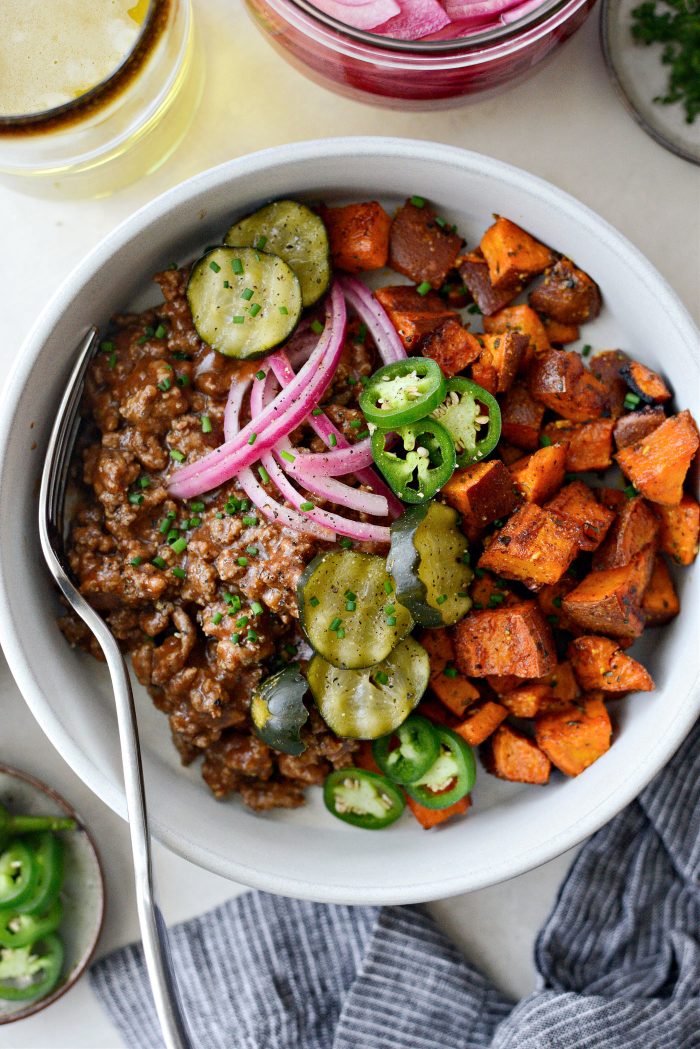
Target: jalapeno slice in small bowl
<point x="19" y="874"/>
<point x="364" y="799"/>
<point x="19" y="930"/>
<point x="32" y="971"/>
<point x="406" y="754"/>
<point x="420" y="463"/>
<point x="403" y="392"/>
<point x="451" y="776"/>
<point x="472" y="417"/>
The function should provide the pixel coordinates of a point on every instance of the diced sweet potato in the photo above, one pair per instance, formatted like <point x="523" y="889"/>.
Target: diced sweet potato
<point x="358" y="235"/>
<point x="680" y="529"/>
<point x="509" y="454"/>
<point x="481" y="721"/>
<point x="474" y="271"/>
<point x="434" y="711"/>
<point x="523" y="319"/>
<point x="502" y="683"/>
<point x="434" y="817"/>
<point x="539" y="475"/>
<point x="534" y="547"/>
<point x="561" y="683"/>
<point x="577" y="505"/>
<point x="486" y="591"/>
<point x="588" y="445"/>
<point x="550" y="599"/>
<point x="514" y="639"/>
<point x="558" y="379"/>
<point x="414" y="316"/>
<point x="632" y="427"/>
<point x="576" y="736"/>
<point x="600" y="663"/>
<point x="660" y="603"/>
<point x="452" y="346"/>
<point x="455" y="292"/>
<point x="527" y="701"/>
<point x="451" y="688"/>
<point x="609" y="601"/>
<point x="499" y="360"/>
<point x="635" y="527"/>
<point x="512" y="254"/>
<point x="561" y="334"/>
<point x="614" y="498"/>
<point x="657" y="465"/>
<point x="511" y="755"/>
<point x="438" y="644"/>
<point x="567" y="295"/>
<point x="521" y="417"/>
<point x="647" y="384"/>
<point x="607" y="366"/>
<point x="421" y="248"/>
<point x="481" y="493"/>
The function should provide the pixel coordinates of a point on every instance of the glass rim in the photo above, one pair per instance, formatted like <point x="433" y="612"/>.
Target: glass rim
<point x="83" y="101"/>
<point x="487" y="36"/>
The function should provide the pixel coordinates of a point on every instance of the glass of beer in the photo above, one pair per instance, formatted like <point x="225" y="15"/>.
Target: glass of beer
<point x="93" y="93"/>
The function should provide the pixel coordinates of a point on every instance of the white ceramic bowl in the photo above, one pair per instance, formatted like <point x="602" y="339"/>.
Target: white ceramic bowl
<point x="306" y="853"/>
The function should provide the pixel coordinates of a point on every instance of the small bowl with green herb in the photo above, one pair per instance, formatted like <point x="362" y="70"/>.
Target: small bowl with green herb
<point x="51" y="896"/>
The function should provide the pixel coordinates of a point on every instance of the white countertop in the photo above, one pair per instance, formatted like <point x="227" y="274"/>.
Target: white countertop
<point x="565" y="124"/>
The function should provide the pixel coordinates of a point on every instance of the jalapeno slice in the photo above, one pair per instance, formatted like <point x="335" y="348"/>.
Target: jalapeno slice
<point x="11" y="825"/>
<point x="365" y="704"/>
<point x="362" y="798"/>
<point x="472" y="417"/>
<point x="406" y="754"/>
<point x="48" y="854"/>
<point x="19" y="874"/>
<point x="450" y="777"/>
<point x="278" y="713"/>
<point x="403" y="392"/>
<point x="32" y="971"/>
<point x="19" y="930"/>
<point x="421" y="464"/>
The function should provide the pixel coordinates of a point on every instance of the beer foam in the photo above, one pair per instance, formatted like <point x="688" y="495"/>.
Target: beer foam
<point x="53" y="51"/>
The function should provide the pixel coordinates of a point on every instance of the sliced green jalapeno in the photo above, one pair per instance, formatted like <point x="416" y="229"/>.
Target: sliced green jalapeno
<point x="472" y="417"/>
<point x="406" y="754"/>
<point x="403" y="392"/>
<point x="362" y="798"/>
<point x="450" y="777"/>
<point x="421" y="464"/>
<point x="48" y="854"/>
<point x="32" y="971"/>
<point x="19" y="874"/>
<point x="19" y="930"/>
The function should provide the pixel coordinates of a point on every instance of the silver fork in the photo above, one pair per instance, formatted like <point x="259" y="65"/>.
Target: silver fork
<point x="54" y="480"/>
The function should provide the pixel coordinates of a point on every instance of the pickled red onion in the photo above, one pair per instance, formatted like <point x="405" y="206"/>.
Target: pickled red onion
<point x="386" y="338"/>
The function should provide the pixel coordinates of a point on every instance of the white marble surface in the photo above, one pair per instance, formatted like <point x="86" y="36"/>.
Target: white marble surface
<point x="564" y="124"/>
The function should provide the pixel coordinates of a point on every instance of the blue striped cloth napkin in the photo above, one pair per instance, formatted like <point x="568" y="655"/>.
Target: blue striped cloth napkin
<point x="619" y="958"/>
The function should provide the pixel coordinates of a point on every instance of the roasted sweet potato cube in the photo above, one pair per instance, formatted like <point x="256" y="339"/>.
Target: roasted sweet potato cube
<point x="635" y="527"/>
<point x="609" y="601"/>
<point x="481" y="721"/>
<point x="438" y="644"/>
<point x="631" y="427"/>
<point x="455" y="292"/>
<point x="577" y="505"/>
<point x="588" y="445"/>
<point x="645" y="383"/>
<point x="452" y="346"/>
<point x="607" y="366"/>
<point x="657" y="465"/>
<point x="534" y="547"/>
<point x="567" y="295"/>
<point x="512" y="254"/>
<point x="513" y="756"/>
<point x="680" y="529"/>
<point x="522" y="319"/>
<point x="614" y="498"/>
<point x="421" y="248"/>
<point x="575" y="736"/>
<point x="481" y="493"/>
<point x="559" y="380"/>
<point x="499" y="360"/>
<point x="429" y="818"/>
<point x="521" y="417"/>
<point x="358" y="236"/>
<point x="474" y="271"/>
<point x="561" y="334"/>
<point x="561" y="683"/>
<point x="600" y="663"/>
<point x="527" y="700"/>
<point x="660" y="603"/>
<point x="413" y="315"/>
<point x="550" y="599"/>
<point x="451" y="688"/>
<point x="502" y="683"/>
<point x="514" y="639"/>
<point x="539" y="475"/>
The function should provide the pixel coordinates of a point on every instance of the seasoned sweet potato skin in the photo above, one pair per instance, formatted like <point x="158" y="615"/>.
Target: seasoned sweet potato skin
<point x="635" y="527"/>
<point x="633" y="426"/>
<point x="679" y="529"/>
<point x="600" y="664"/>
<point x="419" y="247"/>
<point x="576" y="736"/>
<point x="657" y="465"/>
<point x="474" y="271"/>
<point x="414" y="316"/>
<point x="577" y="505"/>
<point x="561" y="334"/>
<point x="512" y="254"/>
<point x="358" y="236"/>
<point x="534" y="546"/>
<point x="511" y="755"/>
<point x="567" y="295"/>
<point x="539" y="475"/>
<point x="660" y="603"/>
<point x="609" y="601"/>
<point x="482" y="493"/>
<point x="511" y="640"/>
<point x="499" y="360"/>
<point x="523" y="319"/>
<point x="429" y="818"/>
<point x="452" y="346"/>
<point x="521" y="418"/>
<point x="645" y="383"/>
<point x="481" y="721"/>
<point x="589" y="446"/>
<point x="559" y="380"/>
<point x="453" y="689"/>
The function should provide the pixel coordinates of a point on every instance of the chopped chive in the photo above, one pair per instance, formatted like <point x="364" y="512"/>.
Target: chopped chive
<point x="242" y="561"/>
<point x="441" y="599"/>
<point x="556" y="602"/>
<point x="252" y="550"/>
<point x="553" y="620"/>
<point x="498" y="523"/>
<point x="247" y="294"/>
<point x="424" y="287"/>
<point x="179" y="356"/>
<point x="466" y="558"/>
<point x="390" y="609"/>
<point x="252" y="636"/>
<point x="249" y="520"/>
<point x="346" y="543"/>
<point x="340" y="633"/>
<point x="227" y="284"/>
<point x="306" y="506"/>
<point x="545" y="441"/>
<point x="361" y="333"/>
<point x="136" y="561"/>
<point x="381" y="678"/>
<point x="236" y="265"/>
<point x="172" y="535"/>
<point x="391" y="620"/>
<point x="283" y="310"/>
<point x="314" y="602"/>
<point x="144" y="482"/>
<point x="388" y="586"/>
<point x="142" y="341"/>
<point x="418" y="202"/>
<point x="179" y="546"/>
<point x="255" y="309"/>
<point x="206" y="424"/>
<point x="215" y="266"/>
<point x="106" y="346"/>
<point x="243" y="621"/>
<point x="288" y="456"/>
<point x="355" y="424"/>
<point x="352" y="381"/>
<point x="160" y="332"/>
<point x="164" y="385"/>
<point x="239" y="320"/>
<point x="317" y="411"/>
<point x="183" y="380"/>
<point x="316" y="327"/>
<point x="260" y="243"/>
<point x="164" y="525"/>
<point x="631" y="401"/>
<point x="586" y="350"/>
<point x="479" y="573"/>
<point x="235" y="638"/>
<point x="335" y="624"/>
<point x="361" y="436"/>
<point x="350" y="606"/>
<point x="219" y="515"/>
<point x="149" y="331"/>
<point x="216" y="618"/>
<point x="264" y="475"/>
<point x="496" y="599"/>
<point x="630" y="491"/>
<point x="195" y="522"/>
<point x="158" y="562"/>
<point x="177" y="455"/>
<point x="473" y="308"/>
<point x="332" y="440"/>
<point x="451" y="672"/>
<point x="253" y="438"/>
<point x="135" y="498"/>
<point x="261" y="375"/>
<point x="112" y="360"/>
<point x="256" y="608"/>
<point x="462" y="593"/>
<point x="179" y="573"/>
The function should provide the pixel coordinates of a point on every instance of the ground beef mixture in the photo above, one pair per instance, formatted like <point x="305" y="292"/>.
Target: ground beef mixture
<point x="204" y="624"/>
